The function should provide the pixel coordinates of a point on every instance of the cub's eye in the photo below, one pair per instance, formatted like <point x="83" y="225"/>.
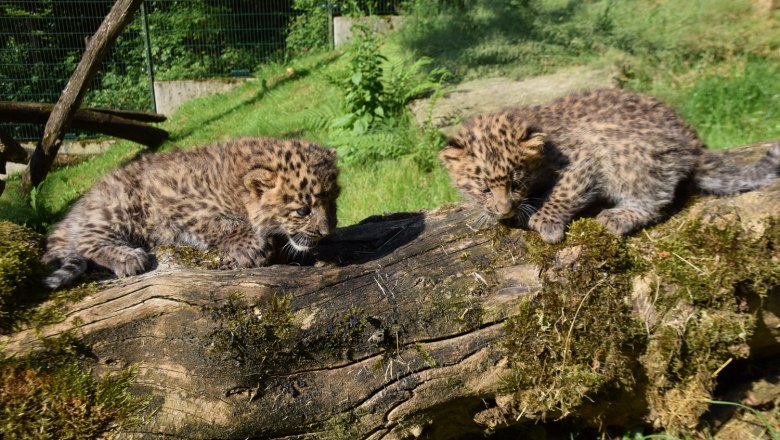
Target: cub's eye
<point x="485" y="190"/>
<point x="303" y="212"/>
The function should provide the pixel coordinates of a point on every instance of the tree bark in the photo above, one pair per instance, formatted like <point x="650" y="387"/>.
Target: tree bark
<point x="400" y="333"/>
<point x="125" y="124"/>
<point x="70" y="99"/>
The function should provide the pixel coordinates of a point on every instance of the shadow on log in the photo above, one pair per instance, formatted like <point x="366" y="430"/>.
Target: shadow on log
<point x="419" y="325"/>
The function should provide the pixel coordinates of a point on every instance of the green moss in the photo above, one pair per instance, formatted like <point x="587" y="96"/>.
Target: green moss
<point x="573" y="341"/>
<point x="191" y="257"/>
<point x="578" y="338"/>
<point x="53" y="309"/>
<point x="707" y="274"/>
<point x="424" y="355"/>
<point x="20" y="269"/>
<point x="258" y="337"/>
<point x="344" y="426"/>
<point x="50" y="395"/>
<point x="346" y="334"/>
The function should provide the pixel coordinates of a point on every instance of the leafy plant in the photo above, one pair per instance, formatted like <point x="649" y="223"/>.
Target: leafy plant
<point x="364" y="92"/>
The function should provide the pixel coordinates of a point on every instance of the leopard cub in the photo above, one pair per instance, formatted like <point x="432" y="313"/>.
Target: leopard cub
<point x="233" y="196"/>
<point x="546" y="163"/>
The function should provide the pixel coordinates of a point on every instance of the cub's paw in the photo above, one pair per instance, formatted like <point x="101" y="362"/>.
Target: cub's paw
<point x="550" y="229"/>
<point x="244" y="257"/>
<point x="132" y="262"/>
<point x="621" y="221"/>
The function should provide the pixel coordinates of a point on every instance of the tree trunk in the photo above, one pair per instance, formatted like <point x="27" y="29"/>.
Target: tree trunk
<point x="418" y="325"/>
<point x="70" y="99"/>
<point x="125" y="124"/>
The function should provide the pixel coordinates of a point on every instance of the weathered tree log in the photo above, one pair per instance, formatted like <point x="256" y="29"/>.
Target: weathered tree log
<point x="414" y="326"/>
<point x="123" y="124"/>
<point x="118" y="17"/>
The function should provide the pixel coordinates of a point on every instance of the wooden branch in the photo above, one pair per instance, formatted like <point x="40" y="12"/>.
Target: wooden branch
<point x="400" y="334"/>
<point x="135" y="115"/>
<point x="109" y="122"/>
<point x="70" y="99"/>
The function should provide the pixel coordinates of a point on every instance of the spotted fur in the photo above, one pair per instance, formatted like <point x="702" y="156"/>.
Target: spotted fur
<point x="231" y="196"/>
<point x="624" y="148"/>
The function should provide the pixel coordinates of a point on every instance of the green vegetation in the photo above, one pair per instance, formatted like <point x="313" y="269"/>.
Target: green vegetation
<point x="48" y="395"/>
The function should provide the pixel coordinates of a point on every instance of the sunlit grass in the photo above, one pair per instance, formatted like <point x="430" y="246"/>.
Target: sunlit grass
<point x="392" y="186"/>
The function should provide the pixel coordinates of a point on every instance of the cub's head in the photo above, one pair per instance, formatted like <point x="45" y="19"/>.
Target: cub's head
<point x="493" y="159"/>
<point x="293" y="192"/>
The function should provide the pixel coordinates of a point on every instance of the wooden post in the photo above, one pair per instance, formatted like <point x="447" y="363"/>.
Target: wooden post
<point x="70" y="99"/>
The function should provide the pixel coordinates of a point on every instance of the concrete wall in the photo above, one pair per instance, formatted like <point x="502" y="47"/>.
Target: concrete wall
<point x="169" y="95"/>
<point x="342" y="26"/>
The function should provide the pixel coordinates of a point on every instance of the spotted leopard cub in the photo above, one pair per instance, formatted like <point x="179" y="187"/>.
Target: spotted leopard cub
<point x="615" y="146"/>
<point x="232" y="196"/>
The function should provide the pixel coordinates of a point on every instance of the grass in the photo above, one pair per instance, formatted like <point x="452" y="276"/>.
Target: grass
<point x="295" y="100"/>
<point x="528" y="37"/>
<point x="736" y="106"/>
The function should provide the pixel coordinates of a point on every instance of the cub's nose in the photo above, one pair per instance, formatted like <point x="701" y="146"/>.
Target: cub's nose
<point x="504" y="209"/>
<point x="324" y="227"/>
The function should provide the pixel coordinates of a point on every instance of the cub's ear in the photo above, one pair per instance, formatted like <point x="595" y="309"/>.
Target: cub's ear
<point x="534" y="143"/>
<point x="453" y="152"/>
<point x="260" y="180"/>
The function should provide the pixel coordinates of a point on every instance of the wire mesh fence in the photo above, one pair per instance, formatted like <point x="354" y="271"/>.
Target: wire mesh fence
<point x="41" y="42"/>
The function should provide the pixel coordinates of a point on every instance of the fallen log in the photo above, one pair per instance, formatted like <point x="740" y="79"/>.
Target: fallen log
<point x="123" y="124"/>
<point x="418" y="325"/>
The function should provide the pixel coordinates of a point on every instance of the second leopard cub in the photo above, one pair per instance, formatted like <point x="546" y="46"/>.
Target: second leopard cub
<point x="627" y="149"/>
<point x="232" y="196"/>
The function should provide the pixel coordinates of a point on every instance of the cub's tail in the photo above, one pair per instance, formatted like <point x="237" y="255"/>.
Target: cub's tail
<point x="717" y="174"/>
<point x="70" y="264"/>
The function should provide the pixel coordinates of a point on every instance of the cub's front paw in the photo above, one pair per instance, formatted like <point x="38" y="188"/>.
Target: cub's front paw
<point x="132" y="262"/>
<point x="244" y="257"/>
<point x="550" y="229"/>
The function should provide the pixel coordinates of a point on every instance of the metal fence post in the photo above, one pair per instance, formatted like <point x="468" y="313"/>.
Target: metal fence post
<point x="331" y="37"/>
<point x="148" y="52"/>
